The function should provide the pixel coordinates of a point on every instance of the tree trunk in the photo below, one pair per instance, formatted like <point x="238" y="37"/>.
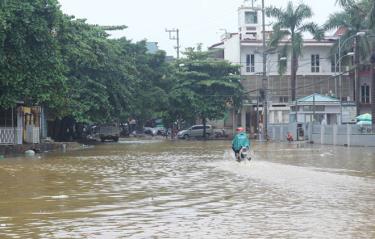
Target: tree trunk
<point x="204" y="127"/>
<point x="356" y="77"/>
<point x="293" y="72"/>
<point x="373" y="92"/>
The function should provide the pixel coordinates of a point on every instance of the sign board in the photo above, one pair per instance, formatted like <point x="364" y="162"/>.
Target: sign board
<point x="348" y="113"/>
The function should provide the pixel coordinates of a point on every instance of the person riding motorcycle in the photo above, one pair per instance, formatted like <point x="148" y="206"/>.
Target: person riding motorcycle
<point x="240" y="141"/>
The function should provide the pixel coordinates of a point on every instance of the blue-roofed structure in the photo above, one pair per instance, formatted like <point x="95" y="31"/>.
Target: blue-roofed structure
<point x="318" y="98"/>
<point x="324" y="109"/>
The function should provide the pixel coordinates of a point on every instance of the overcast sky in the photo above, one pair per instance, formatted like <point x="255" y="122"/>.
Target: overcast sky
<point x="199" y="21"/>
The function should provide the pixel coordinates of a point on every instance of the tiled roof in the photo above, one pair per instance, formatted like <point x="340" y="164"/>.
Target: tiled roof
<point x="340" y="31"/>
<point x="216" y="45"/>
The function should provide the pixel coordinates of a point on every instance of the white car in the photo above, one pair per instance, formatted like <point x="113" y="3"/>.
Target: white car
<point x="150" y="130"/>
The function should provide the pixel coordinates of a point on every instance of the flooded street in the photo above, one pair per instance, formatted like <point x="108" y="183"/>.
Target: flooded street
<point x="157" y="189"/>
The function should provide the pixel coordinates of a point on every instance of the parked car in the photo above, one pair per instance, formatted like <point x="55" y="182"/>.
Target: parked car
<point x="195" y="131"/>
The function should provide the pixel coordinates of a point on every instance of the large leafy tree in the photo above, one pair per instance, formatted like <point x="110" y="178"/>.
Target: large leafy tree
<point x="204" y="87"/>
<point x="30" y="64"/>
<point x="104" y="74"/>
<point x="154" y="82"/>
<point x="76" y="71"/>
<point x="291" y="23"/>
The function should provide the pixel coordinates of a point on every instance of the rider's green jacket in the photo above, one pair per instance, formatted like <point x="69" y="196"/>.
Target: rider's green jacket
<point x="239" y="141"/>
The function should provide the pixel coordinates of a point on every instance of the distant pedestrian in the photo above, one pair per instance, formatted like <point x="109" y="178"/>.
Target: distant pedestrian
<point x="132" y="125"/>
<point x="289" y="137"/>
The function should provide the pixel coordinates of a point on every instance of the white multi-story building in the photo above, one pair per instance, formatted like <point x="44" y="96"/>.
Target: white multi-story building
<point x="316" y="71"/>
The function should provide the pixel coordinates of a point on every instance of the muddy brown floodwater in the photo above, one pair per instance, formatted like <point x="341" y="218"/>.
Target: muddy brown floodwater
<point x="190" y="189"/>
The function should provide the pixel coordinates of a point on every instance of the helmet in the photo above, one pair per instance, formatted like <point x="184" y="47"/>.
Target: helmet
<point x="240" y="129"/>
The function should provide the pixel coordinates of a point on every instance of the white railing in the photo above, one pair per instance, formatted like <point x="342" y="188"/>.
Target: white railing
<point x="8" y="135"/>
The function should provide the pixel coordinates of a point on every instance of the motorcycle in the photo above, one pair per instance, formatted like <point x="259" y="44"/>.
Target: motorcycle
<point x="244" y="154"/>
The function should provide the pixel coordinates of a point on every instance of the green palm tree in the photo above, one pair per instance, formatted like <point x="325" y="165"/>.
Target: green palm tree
<point x="369" y="8"/>
<point x="352" y="20"/>
<point x="291" y="23"/>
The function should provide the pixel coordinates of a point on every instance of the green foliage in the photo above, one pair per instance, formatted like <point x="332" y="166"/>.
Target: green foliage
<point x="365" y="8"/>
<point x="355" y="17"/>
<point x="74" y="69"/>
<point x="203" y="87"/>
<point x="30" y="64"/>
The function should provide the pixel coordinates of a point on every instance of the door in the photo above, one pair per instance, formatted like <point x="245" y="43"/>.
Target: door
<point x="196" y="131"/>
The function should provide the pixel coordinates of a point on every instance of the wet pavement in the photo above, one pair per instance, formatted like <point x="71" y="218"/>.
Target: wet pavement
<point x="190" y="189"/>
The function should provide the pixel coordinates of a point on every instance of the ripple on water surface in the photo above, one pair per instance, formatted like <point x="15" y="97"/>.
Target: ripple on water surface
<point x="187" y="189"/>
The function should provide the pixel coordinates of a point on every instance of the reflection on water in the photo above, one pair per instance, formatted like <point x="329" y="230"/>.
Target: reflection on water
<point x="156" y="189"/>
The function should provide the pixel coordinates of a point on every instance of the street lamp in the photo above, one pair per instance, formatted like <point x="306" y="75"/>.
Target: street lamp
<point x="342" y="57"/>
<point x="339" y="63"/>
<point x="341" y="44"/>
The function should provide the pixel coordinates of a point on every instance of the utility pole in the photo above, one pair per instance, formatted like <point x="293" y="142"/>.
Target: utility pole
<point x="356" y="80"/>
<point x="174" y="34"/>
<point x="264" y="76"/>
<point x="340" y="69"/>
<point x="373" y="92"/>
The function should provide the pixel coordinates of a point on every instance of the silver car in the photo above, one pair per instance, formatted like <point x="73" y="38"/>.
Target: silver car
<point x="195" y="131"/>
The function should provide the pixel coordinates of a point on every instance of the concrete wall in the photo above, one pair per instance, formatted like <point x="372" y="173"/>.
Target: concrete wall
<point x="342" y="135"/>
<point x="242" y="23"/>
<point x="278" y="132"/>
<point x="351" y="135"/>
<point x="232" y="49"/>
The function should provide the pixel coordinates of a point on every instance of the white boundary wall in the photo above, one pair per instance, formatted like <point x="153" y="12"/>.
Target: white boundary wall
<point x="344" y="135"/>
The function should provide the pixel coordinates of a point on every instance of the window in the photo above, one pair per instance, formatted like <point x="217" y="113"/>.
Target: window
<point x="335" y="65"/>
<point x="283" y="62"/>
<point x="251" y="28"/>
<point x="365" y="94"/>
<point x="250" y="63"/>
<point x="311" y="108"/>
<point x="315" y="64"/>
<point x="285" y="117"/>
<point x="294" y="108"/>
<point x="283" y="99"/>
<point x="251" y="18"/>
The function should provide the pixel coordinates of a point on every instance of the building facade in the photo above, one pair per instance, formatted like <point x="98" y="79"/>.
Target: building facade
<point x="317" y="71"/>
